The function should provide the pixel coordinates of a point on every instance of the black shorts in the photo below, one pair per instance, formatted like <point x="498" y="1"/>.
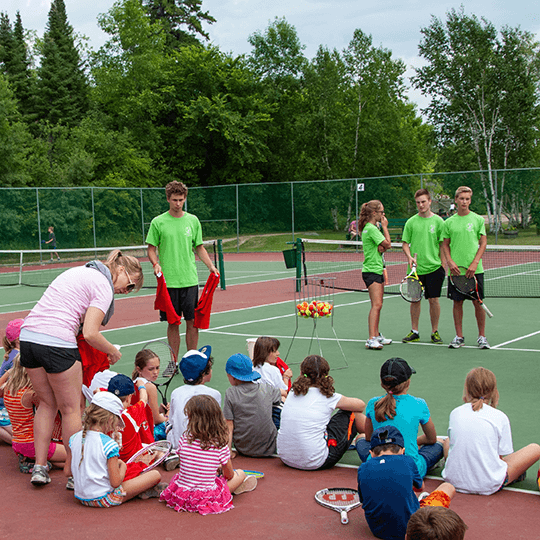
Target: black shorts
<point x="433" y="283"/>
<point x="455" y="295"/>
<point x="184" y="301"/>
<point x="371" y="277"/>
<point x="51" y="359"/>
<point x="338" y="438"/>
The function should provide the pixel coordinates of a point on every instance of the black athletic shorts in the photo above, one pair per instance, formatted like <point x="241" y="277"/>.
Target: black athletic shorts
<point x="455" y="295"/>
<point x="433" y="283"/>
<point x="371" y="277"/>
<point x="51" y="359"/>
<point x="184" y="301"/>
<point x="338" y="437"/>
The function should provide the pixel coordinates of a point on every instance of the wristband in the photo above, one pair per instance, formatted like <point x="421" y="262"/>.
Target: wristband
<point x="139" y="387"/>
<point x="155" y="264"/>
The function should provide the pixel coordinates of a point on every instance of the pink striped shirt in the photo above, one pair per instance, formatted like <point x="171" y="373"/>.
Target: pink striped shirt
<point x="198" y="467"/>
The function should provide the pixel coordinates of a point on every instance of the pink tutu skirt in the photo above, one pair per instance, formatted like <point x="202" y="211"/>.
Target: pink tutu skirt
<point x="203" y="501"/>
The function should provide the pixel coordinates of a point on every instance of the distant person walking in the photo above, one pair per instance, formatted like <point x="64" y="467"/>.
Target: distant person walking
<point x="52" y="241"/>
<point x="176" y="234"/>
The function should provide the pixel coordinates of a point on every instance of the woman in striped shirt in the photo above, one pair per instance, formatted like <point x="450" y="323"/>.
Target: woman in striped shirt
<point x="204" y="452"/>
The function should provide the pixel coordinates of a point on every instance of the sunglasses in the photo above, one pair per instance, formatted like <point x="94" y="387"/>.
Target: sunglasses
<point x="130" y="286"/>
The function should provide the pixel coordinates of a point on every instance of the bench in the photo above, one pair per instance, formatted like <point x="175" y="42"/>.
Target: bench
<point x="395" y="228"/>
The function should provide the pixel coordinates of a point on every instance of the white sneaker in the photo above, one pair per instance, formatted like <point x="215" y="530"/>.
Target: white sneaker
<point x="456" y="343"/>
<point x="382" y="340"/>
<point x="249" y="484"/>
<point x="374" y="343"/>
<point x="483" y="343"/>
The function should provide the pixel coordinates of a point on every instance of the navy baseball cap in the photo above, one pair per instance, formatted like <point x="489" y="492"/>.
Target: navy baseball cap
<point x="121" y="385"/>
<point x="194" y="362"/>
<point x="396" y="371"/>
<point x="387" y="435"/>
<point x="240" y="367"/>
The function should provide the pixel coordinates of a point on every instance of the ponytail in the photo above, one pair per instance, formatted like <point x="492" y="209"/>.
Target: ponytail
<point x="130" y="263"/>
<point x="385" y="408"/>
<point x="314" y="372"/>
<point x="480" y="388"/>
<point x="366" y="211"/>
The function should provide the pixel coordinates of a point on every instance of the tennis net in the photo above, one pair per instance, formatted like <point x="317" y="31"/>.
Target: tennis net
<point x="509" y="271"/>
<point x="36" y="268"/>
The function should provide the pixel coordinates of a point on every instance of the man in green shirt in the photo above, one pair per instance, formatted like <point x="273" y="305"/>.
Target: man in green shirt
<point x="176" y="234"/>
<point x="464" y="243"/>
<point x="422" y="235"/>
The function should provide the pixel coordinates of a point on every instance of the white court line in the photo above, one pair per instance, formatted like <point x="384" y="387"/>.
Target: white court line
<point x="517" y="339"/>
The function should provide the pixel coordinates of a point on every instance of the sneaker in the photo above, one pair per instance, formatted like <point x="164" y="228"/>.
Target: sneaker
<point x="171" y="461"/>
<point x="423" y="495"/>
<point x="25" y="464"/>
<point x="483" y="343"/>
<point x="456" y="343"/>
<point x="436" y="337"/>
<point x="153" y="491"/>
<point x="70" y="483"/>
<point x="40" y="476"/>
<point x="374" y="343"/>
<point x="411" y="337"/>
<point x="382" y="340"/>
<point x="249" y="484"/>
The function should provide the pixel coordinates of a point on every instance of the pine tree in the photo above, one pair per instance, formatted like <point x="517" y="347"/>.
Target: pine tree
<point x="62" y="87"/>
<point x="6" y="42"/>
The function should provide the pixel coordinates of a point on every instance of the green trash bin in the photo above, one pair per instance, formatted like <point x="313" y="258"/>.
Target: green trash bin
<point x="290" y="258"/>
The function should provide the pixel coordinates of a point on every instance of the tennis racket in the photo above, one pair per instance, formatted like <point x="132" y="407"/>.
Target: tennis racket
<point x="151" y="455"/>
<point x="468" y="287"/>
<point x="411" y="288"/>
<point x="168" y="366"/>
<point x="341" y="500"/>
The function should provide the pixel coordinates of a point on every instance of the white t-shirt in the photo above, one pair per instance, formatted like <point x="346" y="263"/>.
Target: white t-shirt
<point x="91" y="475"/>
<point x="62" y="308"/>
<point x="179" y="398"/>
<point x="301" y="441"/>
<point x="477" y="439"/>
<point x="270" y="375"/>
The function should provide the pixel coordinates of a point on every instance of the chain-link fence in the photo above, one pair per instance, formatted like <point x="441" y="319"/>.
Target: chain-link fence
<point x="105" y="217"/>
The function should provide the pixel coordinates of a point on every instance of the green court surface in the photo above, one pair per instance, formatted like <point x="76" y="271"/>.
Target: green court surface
<point x="513" y="333"/>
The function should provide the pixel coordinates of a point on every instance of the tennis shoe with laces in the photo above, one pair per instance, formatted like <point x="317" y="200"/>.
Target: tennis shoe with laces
<point x="436" y="337"/>
<point x="483" y="343"/>
<point x="456" y="343"/>
<point x="40" y="475"/>
<point x="411" y="337"/>
<point x="374" y="343"/>
<point x="382" y="340"/>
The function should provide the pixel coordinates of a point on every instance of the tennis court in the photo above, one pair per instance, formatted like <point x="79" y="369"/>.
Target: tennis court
<point x="260" y="299"/>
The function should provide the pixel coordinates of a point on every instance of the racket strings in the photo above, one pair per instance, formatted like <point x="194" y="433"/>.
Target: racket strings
<point x="412" y="288"/>
<point x="341" y="498"/>
<point x="464" y="284"/>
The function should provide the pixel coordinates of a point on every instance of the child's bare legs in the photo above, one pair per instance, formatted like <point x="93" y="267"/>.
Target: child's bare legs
<point x="376" y="292"/>
<point x="140" y="484"/>
<point x="446" y="447"/>
<point x="58" y="459"/>
<point x="236" y="480"/>
<point x="447" y="488"/>
<point x="520" y="461"/>
<point x="360" y="422"/>
<point x="6" y="434"/>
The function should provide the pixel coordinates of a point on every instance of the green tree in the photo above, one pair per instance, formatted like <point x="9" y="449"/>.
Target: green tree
<point x="62" y="88"/>
<point x="182" y="20"/>
<point x="484" y="92"/>
<point x="6" y="42"/>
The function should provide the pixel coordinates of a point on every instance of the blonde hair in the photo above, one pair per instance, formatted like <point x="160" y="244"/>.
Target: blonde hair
<point x="18" y="378"/>
<point x="463" y="189"/>
<point x="8" y="346"/>
<point x="481" y="387"/>
<point x="131" y="264"/>
<point x="366" y="211"/>
<point x="96" y="417"/>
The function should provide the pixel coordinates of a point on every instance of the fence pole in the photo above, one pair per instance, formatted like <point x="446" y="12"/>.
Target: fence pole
<point x="298" y="248"/>
<point x="93" y="219"/>
<point x="237" y="222"/>
<point x="292" y="210"/>
<point x="142" y="216"/>
<point x="496" y="220"/>
<point x="221" y="264"/>
<point x="39" y="228"/>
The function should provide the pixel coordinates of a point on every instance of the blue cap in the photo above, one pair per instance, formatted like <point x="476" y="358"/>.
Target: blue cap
<point x="194" y="362"/>
<point x="121" y="385"/>
<point x="240" y="367"/>
<point x="387" y="435"/>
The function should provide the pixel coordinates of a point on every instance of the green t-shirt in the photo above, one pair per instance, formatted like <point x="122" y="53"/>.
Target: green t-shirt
<point x="176" y="238"/>
<point x="371" y="238"/>
<point x="424" y="236"/>
<point x="464" y="233"/>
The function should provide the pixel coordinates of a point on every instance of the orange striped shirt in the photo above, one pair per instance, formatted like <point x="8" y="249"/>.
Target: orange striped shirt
<point x="21" y="417"/>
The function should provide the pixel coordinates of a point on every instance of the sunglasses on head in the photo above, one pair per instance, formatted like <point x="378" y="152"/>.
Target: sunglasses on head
<point x="130" y="287"/>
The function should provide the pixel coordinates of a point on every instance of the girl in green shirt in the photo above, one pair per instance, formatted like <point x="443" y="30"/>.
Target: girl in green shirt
<point x="375" y="243"/>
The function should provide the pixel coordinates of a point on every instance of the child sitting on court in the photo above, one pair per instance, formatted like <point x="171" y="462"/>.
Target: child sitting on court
<point x="248" y="409"/>
<point x="385" y="485"/>
<point x="265" y="359"/>
<point x="435" y="523"/>
<point x="196" y="368"/>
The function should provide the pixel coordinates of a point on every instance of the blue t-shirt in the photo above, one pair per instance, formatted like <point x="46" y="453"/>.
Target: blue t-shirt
<point x="410" y="413"/>
<point x="385" y="484"/>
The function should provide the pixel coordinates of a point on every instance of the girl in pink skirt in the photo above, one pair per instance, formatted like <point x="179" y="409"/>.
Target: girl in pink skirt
<point x="204" y="453"/>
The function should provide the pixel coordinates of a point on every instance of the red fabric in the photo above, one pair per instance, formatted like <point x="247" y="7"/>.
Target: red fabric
<point x="92" y="360"/>
<point x="163" y="301"/>
<point x="131" y="439"/>
<point x="283" y="367"/>
<point x="133" y="470"/>
<point x="146" y="431"/>
<point x="204" y="306"/>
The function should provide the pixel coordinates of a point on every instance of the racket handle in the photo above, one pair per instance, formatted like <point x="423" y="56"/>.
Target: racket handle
<point x="344" y="517"/>
<point x="485" y="308"/>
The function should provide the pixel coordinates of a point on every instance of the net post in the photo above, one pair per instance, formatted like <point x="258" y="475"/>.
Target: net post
<point x="221" y="264"/>
<point x="298" y="247"/>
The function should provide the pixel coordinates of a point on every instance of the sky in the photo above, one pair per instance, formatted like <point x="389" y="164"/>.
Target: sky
<point x="393" y="24"/>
